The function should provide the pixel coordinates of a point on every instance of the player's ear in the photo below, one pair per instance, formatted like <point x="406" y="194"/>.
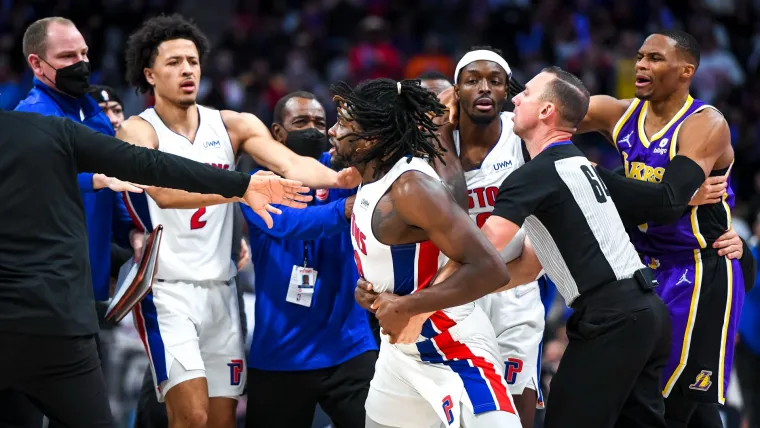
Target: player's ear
<point x="456" y="92"/>
<point x="688" y="71"/>
<point x="148" y="73"/>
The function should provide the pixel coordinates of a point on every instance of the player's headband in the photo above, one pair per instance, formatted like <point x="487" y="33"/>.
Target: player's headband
<point x="481" y="55"/>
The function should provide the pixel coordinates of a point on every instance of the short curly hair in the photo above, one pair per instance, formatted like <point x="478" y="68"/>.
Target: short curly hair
<point x="142" y="46"/>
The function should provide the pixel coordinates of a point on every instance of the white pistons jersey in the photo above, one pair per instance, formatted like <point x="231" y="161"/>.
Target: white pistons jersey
<point x="483" y="183"/>
<point x="517" y="315"/>
<point x="399" y="269"/>
<point x="196" y="243"/>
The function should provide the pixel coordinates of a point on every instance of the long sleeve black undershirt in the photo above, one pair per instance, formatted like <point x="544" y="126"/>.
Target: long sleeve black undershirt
<point x="640" y="202"/>
<point x="97" y="152"/>
<point x="45" y="280"/>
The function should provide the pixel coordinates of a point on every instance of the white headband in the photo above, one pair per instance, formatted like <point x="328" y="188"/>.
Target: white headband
<point x="481" y="55"/>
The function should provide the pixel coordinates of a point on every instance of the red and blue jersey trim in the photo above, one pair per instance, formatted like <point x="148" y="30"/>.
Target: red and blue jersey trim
<point x="485" y="387"/>
<point x="137" y="207"/>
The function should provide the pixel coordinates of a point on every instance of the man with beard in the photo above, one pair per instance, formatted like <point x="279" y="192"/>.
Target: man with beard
<point x="310" y="336"/>
<point x="488" y="151"/>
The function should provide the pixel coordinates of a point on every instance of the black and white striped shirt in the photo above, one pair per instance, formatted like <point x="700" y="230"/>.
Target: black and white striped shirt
<point x="567" y="213"/>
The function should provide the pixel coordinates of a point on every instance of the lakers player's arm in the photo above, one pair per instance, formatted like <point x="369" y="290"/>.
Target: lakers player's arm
<point x="603" y="113"/>
<point x="140" y="133"/>
<point x="421" y="201"/>
<point x="704" y="142"/>
<point x="250" y="135"/>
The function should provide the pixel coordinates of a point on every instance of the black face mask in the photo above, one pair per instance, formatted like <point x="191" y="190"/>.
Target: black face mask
<point x="73" y="79"/>
<point x="307" y="142"/>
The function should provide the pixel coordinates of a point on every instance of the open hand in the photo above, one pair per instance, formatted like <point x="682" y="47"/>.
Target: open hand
<point x="711" y="191"/>
<point x="100" y="181"/>
<point x="266" y="188"/>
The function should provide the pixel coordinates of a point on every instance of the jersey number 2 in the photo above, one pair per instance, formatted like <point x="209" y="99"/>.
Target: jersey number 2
<point x="600" y="190"/>
<point x="195" y="220"/>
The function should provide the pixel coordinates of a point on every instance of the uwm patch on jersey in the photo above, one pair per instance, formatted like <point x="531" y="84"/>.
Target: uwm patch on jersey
<point x="197" y="243"/>
<point x="483" y="183"/>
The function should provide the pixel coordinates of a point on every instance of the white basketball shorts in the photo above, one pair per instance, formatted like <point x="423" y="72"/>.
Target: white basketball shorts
<point x="192" y="330"/>
<point x="517" y="316"/>
<point x="426" y="384"/>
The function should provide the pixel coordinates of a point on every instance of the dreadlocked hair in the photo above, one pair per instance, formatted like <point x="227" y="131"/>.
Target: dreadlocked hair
<point x="399" y="121"/>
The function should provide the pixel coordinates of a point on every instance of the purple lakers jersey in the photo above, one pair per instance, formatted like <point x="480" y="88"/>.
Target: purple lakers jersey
<point x="646" y="159"/>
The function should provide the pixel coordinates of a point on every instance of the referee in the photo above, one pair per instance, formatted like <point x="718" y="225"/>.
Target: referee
<point x="47" y="316"/>
<point x="619" y="332"/>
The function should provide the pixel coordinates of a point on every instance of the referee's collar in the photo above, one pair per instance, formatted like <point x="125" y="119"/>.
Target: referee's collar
<point x="559" y="143"/>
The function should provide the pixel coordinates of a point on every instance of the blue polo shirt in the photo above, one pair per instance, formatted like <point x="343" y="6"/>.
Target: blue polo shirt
<point x="334" y="329"/>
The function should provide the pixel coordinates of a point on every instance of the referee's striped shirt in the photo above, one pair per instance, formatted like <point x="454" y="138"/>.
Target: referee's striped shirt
<point x="567" y="213"/>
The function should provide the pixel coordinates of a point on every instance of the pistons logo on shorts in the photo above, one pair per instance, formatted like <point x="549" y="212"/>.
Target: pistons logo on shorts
<point x="514" y="367"/>
<point x="448" y="405"/>
<point x="322" y="194"/>
<point x="236" y="371"/>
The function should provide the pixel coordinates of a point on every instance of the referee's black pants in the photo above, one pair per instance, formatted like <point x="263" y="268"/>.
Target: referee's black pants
<point x="609" y="376"/>
<point x="60" y="375"/>
<point x="290" y="398"/>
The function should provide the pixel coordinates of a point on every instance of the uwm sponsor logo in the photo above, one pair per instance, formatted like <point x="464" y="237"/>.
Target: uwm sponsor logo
<point x="212" y="144"/>
<point x="501" y="165"/>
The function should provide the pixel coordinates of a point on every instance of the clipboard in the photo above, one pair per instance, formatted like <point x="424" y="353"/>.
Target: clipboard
<point x="135" y="279"/>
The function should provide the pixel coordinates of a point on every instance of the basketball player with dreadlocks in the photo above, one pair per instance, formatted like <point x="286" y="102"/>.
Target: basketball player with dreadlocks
<point x="189" y="322"/>
<point x="403" y="221"/>
<point x="667" y="137"/>
<point x="488" y="151"/>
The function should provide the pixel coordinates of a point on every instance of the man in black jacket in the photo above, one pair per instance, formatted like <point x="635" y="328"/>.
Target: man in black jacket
<point x="47" y="319"/>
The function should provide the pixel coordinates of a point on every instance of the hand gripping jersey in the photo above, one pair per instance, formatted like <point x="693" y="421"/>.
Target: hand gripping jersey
<point x="197" y="243"/>
<point x="454" y="362"/>
<point x="399" y="269"/>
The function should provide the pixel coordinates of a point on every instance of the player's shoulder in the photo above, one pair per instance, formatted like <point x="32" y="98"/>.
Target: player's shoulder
<point x="413" y="184"/>
<point x="242" y="125"/>
<point x="139" y="131"/>
<point x="703" y="123"/>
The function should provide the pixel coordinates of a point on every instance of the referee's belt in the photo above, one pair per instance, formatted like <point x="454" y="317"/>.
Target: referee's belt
<point x="643" y="279"/>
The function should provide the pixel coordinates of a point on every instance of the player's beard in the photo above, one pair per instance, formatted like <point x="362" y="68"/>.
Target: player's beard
<point x="339" y="162"/>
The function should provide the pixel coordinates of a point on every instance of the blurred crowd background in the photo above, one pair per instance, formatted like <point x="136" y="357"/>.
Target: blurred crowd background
<point x="263" y="50"/>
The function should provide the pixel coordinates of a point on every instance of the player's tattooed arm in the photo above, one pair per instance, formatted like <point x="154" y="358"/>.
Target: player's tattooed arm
<point x="140" y="133"/>
<point x="250" y="135"/>
<point x="421" y="201"/>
